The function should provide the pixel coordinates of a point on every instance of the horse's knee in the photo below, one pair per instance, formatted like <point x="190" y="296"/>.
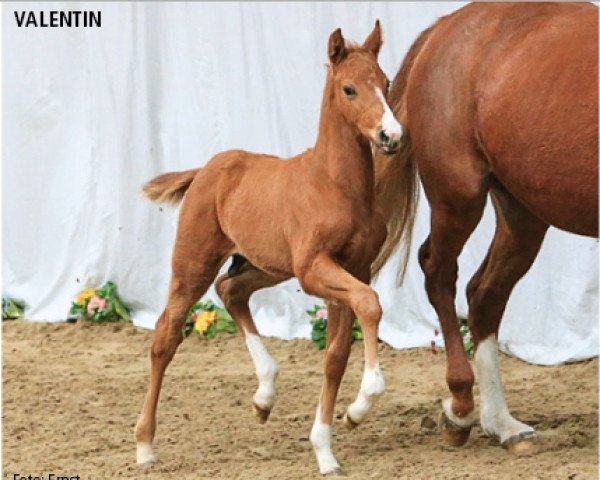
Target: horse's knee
<point x="440" y="275"/>
<point x="167" y="336"/>
<point x="165" y="346"/>
<point x="367" y="307"/>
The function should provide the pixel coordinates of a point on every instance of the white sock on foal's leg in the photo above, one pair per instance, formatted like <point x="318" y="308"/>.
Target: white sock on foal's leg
<point x="144" y="454"/>
<point x="266" y="371"/>
<point x="495" y="417"/>
<point x="371" y="387"/>
<point x="320" y="437"/>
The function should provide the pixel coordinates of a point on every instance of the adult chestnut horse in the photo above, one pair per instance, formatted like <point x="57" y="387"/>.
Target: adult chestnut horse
<point x="312" y="216"/>
<point x="499" y="99"/>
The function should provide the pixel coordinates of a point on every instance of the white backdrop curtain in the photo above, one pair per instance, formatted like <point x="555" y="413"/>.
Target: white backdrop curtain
<point x="90" y="114"/>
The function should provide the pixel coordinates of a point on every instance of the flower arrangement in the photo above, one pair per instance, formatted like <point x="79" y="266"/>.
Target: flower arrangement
<point x="12" y="309"/>
<point x="206" y="319"/>
<point x="318" y="315"/>
<point x="100" y="305"/>
<point x="465" y="333"/>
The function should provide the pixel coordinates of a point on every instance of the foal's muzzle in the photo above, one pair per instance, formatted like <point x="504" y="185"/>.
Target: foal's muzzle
<point x="388" y="141"/>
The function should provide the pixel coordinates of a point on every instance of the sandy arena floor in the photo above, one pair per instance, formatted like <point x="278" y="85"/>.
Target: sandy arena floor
<point x="72" y="393"/>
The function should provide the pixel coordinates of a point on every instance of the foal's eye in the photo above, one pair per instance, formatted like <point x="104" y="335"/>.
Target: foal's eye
<point x="349" y="90"/>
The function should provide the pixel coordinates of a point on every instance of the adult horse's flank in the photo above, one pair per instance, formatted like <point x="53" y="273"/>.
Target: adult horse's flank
<point x="312" y="216"/>
<point x="499" y="99"/>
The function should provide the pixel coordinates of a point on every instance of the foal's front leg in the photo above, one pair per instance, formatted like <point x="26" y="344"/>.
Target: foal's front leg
<point x="326" y="279"/>
<point x="339" y="339"/>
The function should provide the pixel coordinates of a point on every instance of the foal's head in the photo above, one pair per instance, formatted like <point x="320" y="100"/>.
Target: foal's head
<point x="360" y="88"/>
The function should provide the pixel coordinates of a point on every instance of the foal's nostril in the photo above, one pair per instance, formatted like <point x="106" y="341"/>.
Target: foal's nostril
<point x="383" y="137"/>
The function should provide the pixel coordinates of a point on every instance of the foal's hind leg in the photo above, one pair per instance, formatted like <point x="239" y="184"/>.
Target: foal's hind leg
<point x="517" y="241"/>
<point x="235" y="289"/>
<point x="198" y="254"/>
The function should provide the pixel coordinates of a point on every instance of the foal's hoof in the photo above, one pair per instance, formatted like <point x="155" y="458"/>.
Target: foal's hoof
<point x="452" y="433"/>
<point x="336" y="472"/>
<point x="144" y="455"/>
<point x="261" y="414"/>
<point x="522" y="444"/>
<point x="348" y="422"/>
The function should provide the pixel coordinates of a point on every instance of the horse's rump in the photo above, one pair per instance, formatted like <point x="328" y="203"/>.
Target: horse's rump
<point x="537" y="115"/>
<point x="510" y="91"/>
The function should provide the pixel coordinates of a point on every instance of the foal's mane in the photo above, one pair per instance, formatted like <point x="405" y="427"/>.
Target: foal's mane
<point x="396" y="178"/>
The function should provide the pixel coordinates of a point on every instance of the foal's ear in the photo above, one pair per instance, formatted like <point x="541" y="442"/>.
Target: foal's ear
<point x="336" y="48"/>
<point x="373" y="42"/>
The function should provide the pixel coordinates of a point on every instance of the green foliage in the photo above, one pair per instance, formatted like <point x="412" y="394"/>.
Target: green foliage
<point x="465" y="333"/>
<point x="221" y="322"/>
<point x="319" y="333"/>
<point x="109" y="307"/>
<point x="319" y="327"/>
<point x="12" y="309"/>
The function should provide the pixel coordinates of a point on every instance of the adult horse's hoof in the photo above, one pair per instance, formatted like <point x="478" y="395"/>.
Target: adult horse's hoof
<point x="452" y="433"/>
<point x="261" y="414"/>
<point x="522" y="444"/>
<point x="348" y="422"/>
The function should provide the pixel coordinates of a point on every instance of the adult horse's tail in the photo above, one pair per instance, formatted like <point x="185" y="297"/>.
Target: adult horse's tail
<point x="169" y="187"/>
<point x="396" y="179"/>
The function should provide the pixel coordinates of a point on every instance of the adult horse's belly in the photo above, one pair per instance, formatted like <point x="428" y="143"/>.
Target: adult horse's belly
<point x="537" y="111"/>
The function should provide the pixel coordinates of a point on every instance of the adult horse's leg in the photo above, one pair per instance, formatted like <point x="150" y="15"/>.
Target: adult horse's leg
<point x="323" y="277"/>
<point x="339" y="339"/>
<point x="517" y="241"/>
<point x="200" y="250"/>
<point x="455" y="213"/>
<point x="234" y="289"/>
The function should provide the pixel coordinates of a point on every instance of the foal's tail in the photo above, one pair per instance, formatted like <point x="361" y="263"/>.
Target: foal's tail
<point x="396" y="178"/>
<point x="169" y="187"/>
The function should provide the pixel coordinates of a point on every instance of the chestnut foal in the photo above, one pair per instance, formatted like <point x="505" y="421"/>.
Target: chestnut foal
<point x="311" y="216"/>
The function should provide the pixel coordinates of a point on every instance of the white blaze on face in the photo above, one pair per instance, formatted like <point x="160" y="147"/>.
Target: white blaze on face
<point x="266" y="371"/>
<point x="389" y="124"/>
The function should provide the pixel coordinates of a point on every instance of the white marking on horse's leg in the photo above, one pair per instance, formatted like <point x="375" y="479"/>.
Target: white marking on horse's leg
<point x="389" y="124"/>
<point x="144" y="453"/>
<point x="266" y="371"/>
<point x="495" y="418"/>
<point x="372" y="386"/>
<point x="320" y="437"/>
<point x="465" y="421"/>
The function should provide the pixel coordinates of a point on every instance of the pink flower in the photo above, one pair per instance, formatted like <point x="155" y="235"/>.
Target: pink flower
<point x="321" y="313"/>
<point x="96" y="302"/>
